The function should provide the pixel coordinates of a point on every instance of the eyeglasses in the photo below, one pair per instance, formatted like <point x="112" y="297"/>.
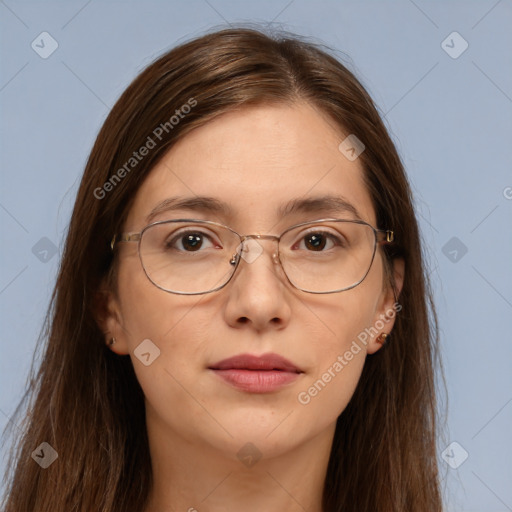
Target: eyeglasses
<point x="191" y="257"/>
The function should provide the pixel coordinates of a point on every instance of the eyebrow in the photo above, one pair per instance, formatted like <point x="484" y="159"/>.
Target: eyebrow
<point x="326" y="204"/>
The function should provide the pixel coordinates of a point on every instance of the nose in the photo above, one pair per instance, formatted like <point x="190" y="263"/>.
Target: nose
<point x="258" y="295"/>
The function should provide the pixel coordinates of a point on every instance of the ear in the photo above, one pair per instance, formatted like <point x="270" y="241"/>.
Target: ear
<point x="388" y="305"/>
<point x="107" y="313"/>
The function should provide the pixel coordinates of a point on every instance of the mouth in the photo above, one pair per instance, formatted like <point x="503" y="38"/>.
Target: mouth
<point x="257" y="374"/>
<point x="265" y="362"/>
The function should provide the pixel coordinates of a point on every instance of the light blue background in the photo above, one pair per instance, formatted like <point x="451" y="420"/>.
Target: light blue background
<point x="451" y="120"/>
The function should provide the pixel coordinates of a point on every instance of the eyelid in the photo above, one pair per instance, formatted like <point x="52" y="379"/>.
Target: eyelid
<point x="192" y="229"/>
<point x="317" y="228"/>
<point x="320" y="230"/>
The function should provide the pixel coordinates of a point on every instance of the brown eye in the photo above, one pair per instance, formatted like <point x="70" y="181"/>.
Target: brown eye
<point x="190" y="241"/>
<point x="319" y="241"/>
<point x="315" y="241"/>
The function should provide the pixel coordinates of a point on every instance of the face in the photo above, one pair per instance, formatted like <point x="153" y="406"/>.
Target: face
<point x="254" y="160"/>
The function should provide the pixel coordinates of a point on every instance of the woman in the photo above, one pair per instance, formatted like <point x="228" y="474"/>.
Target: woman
<point x="241" y="317"/>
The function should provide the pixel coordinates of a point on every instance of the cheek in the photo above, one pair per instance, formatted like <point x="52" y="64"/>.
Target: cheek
<point x="326" y="396"/>
<point x="178" y="337"/>
<point x="340" y="347"/>
<point x="339" y="358"/>
<point x="341" y="319"/>
<point x="147" y="311"/>
<point x="165" y="325"/>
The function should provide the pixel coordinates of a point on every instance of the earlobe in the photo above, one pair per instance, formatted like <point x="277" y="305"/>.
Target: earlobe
<point x="381" y="338"/>
<point x="388" y="309"/>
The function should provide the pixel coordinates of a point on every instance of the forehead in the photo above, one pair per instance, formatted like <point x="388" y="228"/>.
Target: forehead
<point x="255" y="160"/>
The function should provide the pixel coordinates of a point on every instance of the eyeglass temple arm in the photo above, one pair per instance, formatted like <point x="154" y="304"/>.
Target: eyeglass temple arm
<point x="385" y="236"/>
<point x="124" y="237"/>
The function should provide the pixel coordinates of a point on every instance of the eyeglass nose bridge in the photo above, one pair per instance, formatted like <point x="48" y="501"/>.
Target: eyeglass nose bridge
<point x="275" y="255"/>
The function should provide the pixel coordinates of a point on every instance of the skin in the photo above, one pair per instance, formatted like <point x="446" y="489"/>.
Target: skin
<point x="255" y="160"/>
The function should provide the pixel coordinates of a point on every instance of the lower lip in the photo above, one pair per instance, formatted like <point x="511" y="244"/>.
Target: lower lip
<point x="257" y="381"/>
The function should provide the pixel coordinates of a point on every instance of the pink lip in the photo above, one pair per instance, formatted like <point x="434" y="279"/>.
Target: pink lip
<point x="257" y="374"/>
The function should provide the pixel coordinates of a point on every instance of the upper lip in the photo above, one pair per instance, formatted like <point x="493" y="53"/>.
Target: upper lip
<point x="253" y="362"/>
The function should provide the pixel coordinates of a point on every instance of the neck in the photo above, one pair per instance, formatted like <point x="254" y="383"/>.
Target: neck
<point x="194" y="476"/>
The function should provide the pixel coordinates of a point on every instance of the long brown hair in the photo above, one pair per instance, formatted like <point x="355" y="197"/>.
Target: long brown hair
<point x="86" y="402"/>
